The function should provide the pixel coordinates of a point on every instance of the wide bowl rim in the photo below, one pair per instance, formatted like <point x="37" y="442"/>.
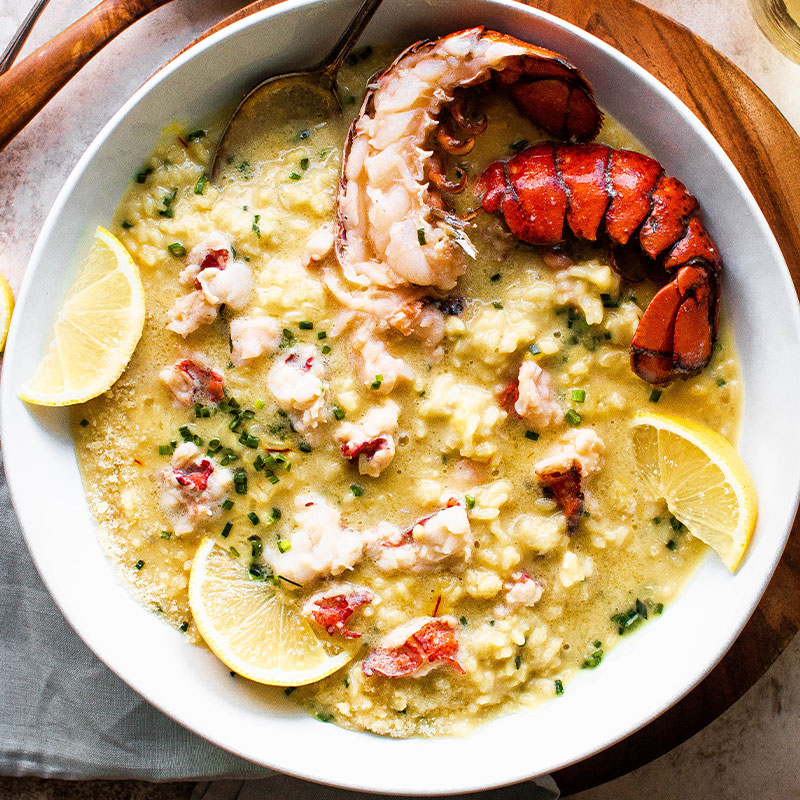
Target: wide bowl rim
<point x="8" y="397"/>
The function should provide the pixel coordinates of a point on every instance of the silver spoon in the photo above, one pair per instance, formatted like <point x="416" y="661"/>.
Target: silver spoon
<point x="309" y="94"/>
<point x="15" y="45"/>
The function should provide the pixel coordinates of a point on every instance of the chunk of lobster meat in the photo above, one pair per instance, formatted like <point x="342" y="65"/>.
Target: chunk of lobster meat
<point x="392" y="229"/>
<point x="578" y="455"/>
<point x="212" y="252"/>
<point x="523" y="590"/>
<point x="320" y="545"/>
<point x="376" y="365"/>
<point x="370" y="441"/>
<point x="319" y="245"/>
<point x="297" y="382"/>
<point x="251" y="337"/>
<point x="416" y="648"/>
<point x="333" y="607"/>
<point x="530" y="397"/>
<point x="192" y="488"/>
<point x="191" y="381"/>
<point x="217" y="279"/>
<point x="231" y="286"/>
<point x="443" y="535"/>
<point x="190" y="312"/>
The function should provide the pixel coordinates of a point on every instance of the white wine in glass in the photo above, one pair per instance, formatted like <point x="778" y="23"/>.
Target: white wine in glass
<point x="780" y="22"/>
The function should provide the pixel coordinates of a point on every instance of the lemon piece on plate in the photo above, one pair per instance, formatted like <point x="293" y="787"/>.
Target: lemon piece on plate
<point x="6" y="310"/>
<point x="703" y="479"/>
<point x="96" y="330"/>
<point x="253" y="626"/>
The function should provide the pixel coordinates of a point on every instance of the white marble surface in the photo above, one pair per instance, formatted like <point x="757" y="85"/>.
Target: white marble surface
<point x="753" y="749"/>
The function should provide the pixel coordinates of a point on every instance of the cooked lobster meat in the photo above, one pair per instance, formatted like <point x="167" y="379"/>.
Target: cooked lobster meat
<point x="626" y="199"/>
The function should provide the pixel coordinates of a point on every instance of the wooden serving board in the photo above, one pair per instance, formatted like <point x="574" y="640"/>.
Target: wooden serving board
<point x="766" y="151"/>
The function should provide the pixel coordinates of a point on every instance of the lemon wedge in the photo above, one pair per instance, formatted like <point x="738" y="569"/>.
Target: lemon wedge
<point x="6" y="310"/>
<point x="703" y="479"/>
<point x="96" y="330"/>
<point x="252" y="626"/>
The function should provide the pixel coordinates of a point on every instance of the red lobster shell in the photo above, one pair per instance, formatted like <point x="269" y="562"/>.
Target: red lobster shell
<point x="625" y="197"/>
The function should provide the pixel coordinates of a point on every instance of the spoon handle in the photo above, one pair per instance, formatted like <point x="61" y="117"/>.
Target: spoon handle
<point x="330" y="66"/>
<point x="21" y="36"/>
<point x="26" y="88"/>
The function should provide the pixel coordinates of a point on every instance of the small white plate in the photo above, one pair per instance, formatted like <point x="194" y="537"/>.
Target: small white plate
<point x="646" y="673"/>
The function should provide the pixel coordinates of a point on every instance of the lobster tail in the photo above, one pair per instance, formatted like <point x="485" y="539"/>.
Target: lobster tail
<point x="625" y="197"/>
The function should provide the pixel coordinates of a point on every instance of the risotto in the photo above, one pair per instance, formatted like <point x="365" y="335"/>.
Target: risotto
<point x="394" y="486"/>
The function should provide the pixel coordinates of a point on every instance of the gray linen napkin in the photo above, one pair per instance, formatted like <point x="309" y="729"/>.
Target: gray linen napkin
<point x="64" y="714"/>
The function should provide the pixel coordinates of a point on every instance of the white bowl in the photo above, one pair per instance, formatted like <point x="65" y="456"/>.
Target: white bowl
<point x="647" y="672"/>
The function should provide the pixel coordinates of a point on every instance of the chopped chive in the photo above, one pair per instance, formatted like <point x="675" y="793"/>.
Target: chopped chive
<point x="194" y="135"/>
<point x="234" y="552"/>
<point x="721" y="381"/>
<point x="226" y="529"/>
<point x="338" y="413"/>
<point x="517" y="662"/>
<point x="275" y="515"/>
<point x="200" y="186"/>
<point x="304" y="134"/>
<point x="168" y="200"/>
<point x="259" y="463"/>
<point x="534" y="349"/>
<point x="305" y="326"/>
<point x="256" y="573"/>
<point x="186" y="433"/>
<point x="519" y="145"/>
<point x="608" y="302"/>
<point x="125" y="225"/>
<point x="165" y="449"/>
<point x="655" y="395"/>
<point x="274" y="479"/>
<point x="176" y="249"/>
<point x="494" y="278"/>
<point x="166" y="534"/>
<point x="304" y="447"/>
<point x="141" y="177"/>
<point x="322" y="334"/>
<point x="672" y="545"/>
<point x="497" y="304"/>
<point x="559" y="687"/>
<point x="356" y="490"/>
<point x="240" y="481"/>
<point x="139" y="564"/>
<point x="228" y="457"/>
<point x="256" y="546"/>
<point x="284" y="546"/>
<point x="294" y="176"/>
<point x="214" y="445"/>
<point x="676" y="524"/>
<point x="376" y="384"/>
<point x="532" y="435"/>
<point x="303" y="163"/>
<point x="641" y="609"/>
<point x="659" y="609"/>
<point x="289" y="689"/>
<point x="183" y="627"/>
<point x="198" y="440"/>
<point x="578" y="395"/>
<point x="227" y="504"/>
<point x="573" y="418"/>
<point x="253" y="517"/>
<point x="235" y="423"/>
<point x="656" y="520"/>
<point x="463" y="621"/>
<point x="421" y="236"/>
<point x="326" y="349"/>
<point x="470" y="501"/>
<point x="248" y="440"/>
<point x="248" y="413"/>
<point x="256" y="230"/>
<point x="259" y="404"/>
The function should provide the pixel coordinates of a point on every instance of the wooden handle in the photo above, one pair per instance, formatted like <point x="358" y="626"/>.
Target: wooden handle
<point x="28" y="87"/>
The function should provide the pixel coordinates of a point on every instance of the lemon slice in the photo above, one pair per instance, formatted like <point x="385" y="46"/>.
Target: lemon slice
<point x="702" y="478"/>
<point x="253" y="626"/>
<point x="96" y="330"/>
<point x="6" y="310"/>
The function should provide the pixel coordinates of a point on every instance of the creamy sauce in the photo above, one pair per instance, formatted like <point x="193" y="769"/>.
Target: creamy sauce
<point x="452" y="433"/>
